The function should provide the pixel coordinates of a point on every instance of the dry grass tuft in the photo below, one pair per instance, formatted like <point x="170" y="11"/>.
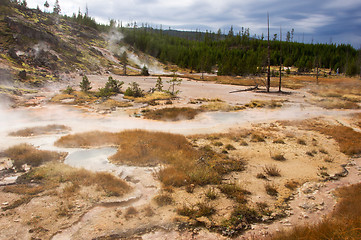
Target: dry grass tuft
<point x="301" y="142"/>
<point x="235" y="192"/>
<point x="130" y="212"/>
<point x="272" y="171"/>
<point x="279" y="141"/>
<point x="211" y="193"/>
<point x="230" y="147"/>
<point x="198" y="210"/>
<point x="271" y="189"/>
<point x="257" y="138"/>
<point x="172" y="114"/>
<point x="292" y="185"/>
<point x="34" y="131"/>
<point x="163" y="199"/>
<point x="279" y="157"/>
<point x="27" y="154"/>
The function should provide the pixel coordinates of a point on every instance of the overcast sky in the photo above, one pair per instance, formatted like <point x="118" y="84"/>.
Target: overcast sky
<point x="323" y="21"/>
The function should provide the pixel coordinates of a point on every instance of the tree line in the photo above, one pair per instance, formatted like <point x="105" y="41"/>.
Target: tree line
<point x="239" y="54"/>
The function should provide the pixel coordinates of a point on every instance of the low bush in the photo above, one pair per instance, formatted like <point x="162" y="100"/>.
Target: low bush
<point x="198" y="210"/>
<point x="134" y="90"/>
<point x="257" y="138"/>
<point x="242" y="216"/>
<point x="234" y="191"/>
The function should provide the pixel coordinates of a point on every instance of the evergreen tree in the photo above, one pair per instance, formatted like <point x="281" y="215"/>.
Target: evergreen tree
<point x="145" y="71"/>
<point x="24" y="3"/>
<point x="56" y="8"/>
<point x="85" y="84"/>
<point x="46" y="6"/>
<point x="159" y="85"/>
<point x="172" y="83"/>
<point x="114" y="85"/>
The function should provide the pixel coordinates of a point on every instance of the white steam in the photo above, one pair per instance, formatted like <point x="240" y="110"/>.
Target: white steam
<point x="115" y="37"/>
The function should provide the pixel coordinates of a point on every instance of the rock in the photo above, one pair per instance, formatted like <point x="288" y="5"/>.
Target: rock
<point x="305" y="206"/>
<point x="311" y="197"/>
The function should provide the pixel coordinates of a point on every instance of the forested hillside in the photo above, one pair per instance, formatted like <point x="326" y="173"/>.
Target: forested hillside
<point x="239" y="54"/>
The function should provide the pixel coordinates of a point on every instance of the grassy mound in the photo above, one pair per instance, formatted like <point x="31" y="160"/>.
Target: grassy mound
<point x="183" y="164"/>
<point x="34" y="131"/>
<point x="27" y="154"/>
<point x="172" y="114"/>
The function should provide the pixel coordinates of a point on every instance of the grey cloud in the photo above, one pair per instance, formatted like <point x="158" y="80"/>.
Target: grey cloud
<point x="318" y="18"/>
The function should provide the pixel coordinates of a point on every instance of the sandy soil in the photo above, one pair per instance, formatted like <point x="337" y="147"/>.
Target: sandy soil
<point x="96" y="216"/>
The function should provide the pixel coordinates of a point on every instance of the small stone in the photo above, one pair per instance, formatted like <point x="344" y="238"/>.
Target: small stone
<point x="5" y="203"/>
<point x="311" y="197"/>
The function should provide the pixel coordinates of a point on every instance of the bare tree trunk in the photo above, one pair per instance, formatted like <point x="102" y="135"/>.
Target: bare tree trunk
<point x="317" y="73"/>
<point x="280" y="82"/>
<point x="268" y="84"/>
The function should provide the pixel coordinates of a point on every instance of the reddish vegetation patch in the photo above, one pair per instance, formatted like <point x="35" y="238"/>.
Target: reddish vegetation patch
<point x="27" y="154"/>
<point x="183" y="163"/>
<point x="172" y="114"/>
<point x="88" y="139"/>
<point x="348" y="139"/>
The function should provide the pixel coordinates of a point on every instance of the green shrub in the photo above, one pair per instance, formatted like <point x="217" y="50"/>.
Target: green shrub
<point x="113" y="85"/>
<point x="85" y="84"/>
<point x="134" y="90"/>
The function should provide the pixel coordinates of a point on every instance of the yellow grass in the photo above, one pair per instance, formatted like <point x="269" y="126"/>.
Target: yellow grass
<point x="27" y="154"/>
<point x="154" y="96"/>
